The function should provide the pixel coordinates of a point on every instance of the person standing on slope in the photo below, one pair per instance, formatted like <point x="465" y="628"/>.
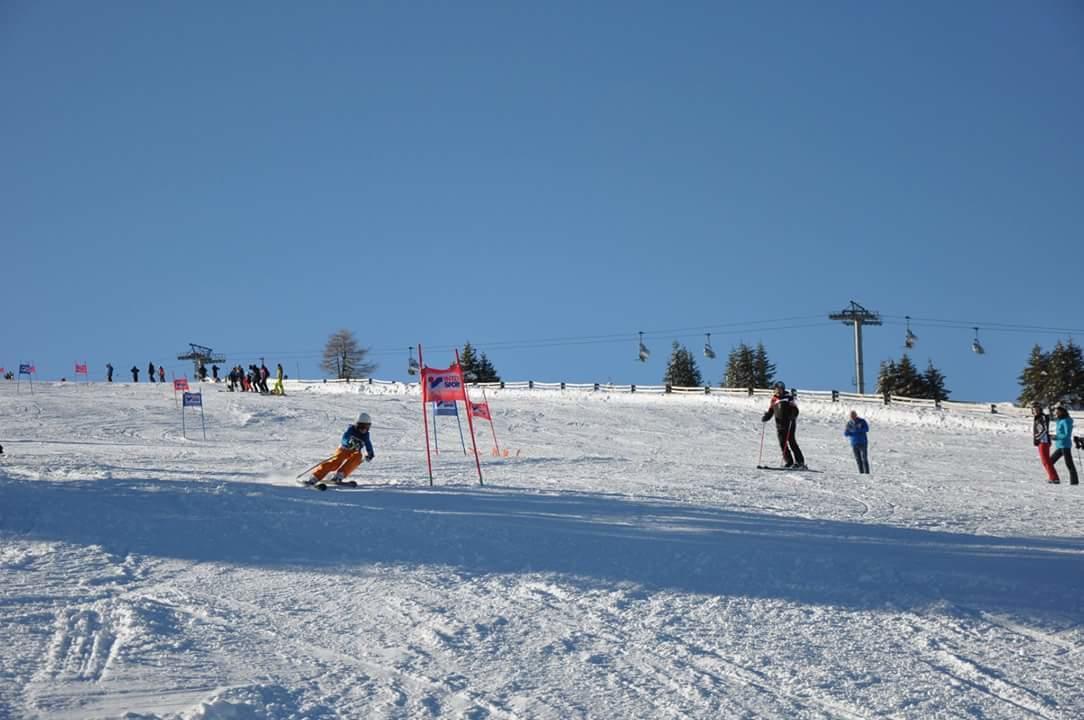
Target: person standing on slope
<point x="856" y="431"/>
<point x="785" y="410"/>
<point x="108" y="372"/>
<point x="348" y="455"/>
<point x="1063" y="443"/>
<point x="135" y="374"/>
<point x="278" y="389"/>
<point x="1040" y="432"/>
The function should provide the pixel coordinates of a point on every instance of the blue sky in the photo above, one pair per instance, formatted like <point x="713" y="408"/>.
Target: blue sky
<point x="255" y="176"/>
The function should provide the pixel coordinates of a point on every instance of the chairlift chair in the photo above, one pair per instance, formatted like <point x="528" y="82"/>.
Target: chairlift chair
<point x="644" y="352"/>
<point x="412" y="363"/>
<point x="976" y="346"/>
<point x="709" y="351"/>
<point x="910" y="339"/>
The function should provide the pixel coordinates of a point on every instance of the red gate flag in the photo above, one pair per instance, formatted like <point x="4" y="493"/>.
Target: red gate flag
<point x="180" y="384"/>
<point x="81" y="369"/>
<point x="480" y="410"/>
<point x="443" y="385"/>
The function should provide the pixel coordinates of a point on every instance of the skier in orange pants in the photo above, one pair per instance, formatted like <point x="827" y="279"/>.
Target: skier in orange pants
<point x="348" y="455"/>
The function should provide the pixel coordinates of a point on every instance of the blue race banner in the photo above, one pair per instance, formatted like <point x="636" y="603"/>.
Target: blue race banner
<point x="193" y="399"/>
<point x="447" y="407"/>
<point x="25" y="368"/>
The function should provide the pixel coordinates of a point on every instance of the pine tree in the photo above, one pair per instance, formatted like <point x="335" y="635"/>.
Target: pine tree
<point x="934" y="382"/>
<point x="1065" y="374"/>
<point x="909" y="382"/>
<point x="888" y="378"/>
<point x="681" y="371"/>
<point x="344" y="358"/>
<point x="1076" y="376"/>
<point x="741" y="368"/>
<point x="486" y="372"/>
<point x="763" y="371"/>
<point x="468" y="362"/>
<point x="1033" y="379"/>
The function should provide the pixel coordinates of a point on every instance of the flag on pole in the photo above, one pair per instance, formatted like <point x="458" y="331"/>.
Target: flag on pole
<point x="26" y="369"/>
<point x="180" y="384"/>
<point x="81" y="369"/>
<point x="443" y="385"/>
<point x="480" y="410"/>
<point x="191" y="399"/>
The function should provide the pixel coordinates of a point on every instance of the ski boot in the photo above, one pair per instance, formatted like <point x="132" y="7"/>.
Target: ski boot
<point x="340" y="480"/>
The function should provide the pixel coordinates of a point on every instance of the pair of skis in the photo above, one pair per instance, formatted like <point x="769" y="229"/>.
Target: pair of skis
<point x="760" y="455"/>
<point x="320" y="484"/>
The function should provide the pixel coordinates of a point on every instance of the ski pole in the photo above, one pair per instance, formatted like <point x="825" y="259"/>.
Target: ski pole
<point x="308" y="470"/>
<point x="760" y="455"/>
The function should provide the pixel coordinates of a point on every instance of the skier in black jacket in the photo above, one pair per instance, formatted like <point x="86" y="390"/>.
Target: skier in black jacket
<point x="785" y="410"/>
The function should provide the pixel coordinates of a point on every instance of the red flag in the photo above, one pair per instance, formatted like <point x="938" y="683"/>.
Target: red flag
<point x="480" y="410"/>
<point x="81" y="369"/>
<point x="180" y="384"/>
<point x="443" y="385"/>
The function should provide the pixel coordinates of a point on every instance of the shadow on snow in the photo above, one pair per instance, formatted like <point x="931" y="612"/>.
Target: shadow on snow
<point x="594" y="539"/>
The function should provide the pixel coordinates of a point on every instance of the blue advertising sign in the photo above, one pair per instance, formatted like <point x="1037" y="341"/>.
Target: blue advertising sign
<point x="446" y="407"/>
<point x="193" y="399"/>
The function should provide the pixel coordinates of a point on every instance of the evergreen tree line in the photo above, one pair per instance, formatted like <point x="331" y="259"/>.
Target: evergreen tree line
<point x="903" y="378"/>
<point x="1052" y="377"/>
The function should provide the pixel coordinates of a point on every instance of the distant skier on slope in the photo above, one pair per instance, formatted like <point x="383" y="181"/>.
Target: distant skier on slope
<point x="857" y="431"/>
<point x="1063" y="443"/>
<point x="1040" y="432"/>
<point x="348" y="455"/>
<point x="785" y="410"/>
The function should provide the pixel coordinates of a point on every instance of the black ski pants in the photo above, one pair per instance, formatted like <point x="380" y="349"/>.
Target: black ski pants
<point x="1067" y="453"/>
<point x="788" y="443"/>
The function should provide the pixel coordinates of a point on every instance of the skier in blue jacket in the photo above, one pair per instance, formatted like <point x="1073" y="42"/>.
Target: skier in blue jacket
<point x="856" y="432"/>
<point x="1063" y="443"/>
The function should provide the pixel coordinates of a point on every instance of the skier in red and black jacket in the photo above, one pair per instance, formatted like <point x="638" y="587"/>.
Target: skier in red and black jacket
<point x="785" y="410"/>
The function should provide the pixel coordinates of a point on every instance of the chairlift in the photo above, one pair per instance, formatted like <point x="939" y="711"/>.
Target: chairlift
<point x="976" y="346"/>
<point x="709" y="351"/>
<point x="412" y="362"/>
<point x="910" y="339"/>
<point x="644" y="352"/>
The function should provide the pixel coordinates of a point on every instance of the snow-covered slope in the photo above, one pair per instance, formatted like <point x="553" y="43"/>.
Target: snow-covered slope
<point x="626" y="561"/>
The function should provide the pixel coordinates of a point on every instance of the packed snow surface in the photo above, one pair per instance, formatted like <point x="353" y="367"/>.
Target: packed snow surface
<point x="626" y="560"/>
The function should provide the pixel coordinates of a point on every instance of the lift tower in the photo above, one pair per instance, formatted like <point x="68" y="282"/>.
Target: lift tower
<point x="858" y="316"/>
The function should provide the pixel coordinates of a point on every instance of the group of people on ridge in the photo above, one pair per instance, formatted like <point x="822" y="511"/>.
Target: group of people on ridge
<point x="161" y="373"/>
<point x="255" y="380"/>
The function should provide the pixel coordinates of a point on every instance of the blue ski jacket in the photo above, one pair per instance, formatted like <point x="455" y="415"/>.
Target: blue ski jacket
<point x="856" y="431"/>
<point x="354" y="439"/>
<point x="1063" y="434"/>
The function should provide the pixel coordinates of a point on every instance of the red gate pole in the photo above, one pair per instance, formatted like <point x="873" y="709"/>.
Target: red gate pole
<point x="470" y="420"/>
<point x="425" y="418"/>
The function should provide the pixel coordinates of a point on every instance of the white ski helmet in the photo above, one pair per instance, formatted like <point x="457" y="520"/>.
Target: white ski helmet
<point x="364" y="418"/>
